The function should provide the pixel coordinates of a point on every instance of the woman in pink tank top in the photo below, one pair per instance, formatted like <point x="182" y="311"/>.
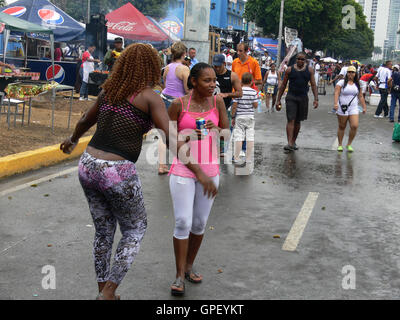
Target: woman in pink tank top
<point x="191" y="205"/>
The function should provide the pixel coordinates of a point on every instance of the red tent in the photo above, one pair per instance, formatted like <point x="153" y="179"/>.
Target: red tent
<point x="130" y="23"/>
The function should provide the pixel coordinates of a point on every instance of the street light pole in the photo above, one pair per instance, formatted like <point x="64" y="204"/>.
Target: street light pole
<point x="88" y="12"/>
<point x="280" y="33"/>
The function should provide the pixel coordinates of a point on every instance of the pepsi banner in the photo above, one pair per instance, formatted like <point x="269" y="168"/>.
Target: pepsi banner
<point x="46" y="14"/>
<point x="65" y="72"/>
<point x="173" y="25"/>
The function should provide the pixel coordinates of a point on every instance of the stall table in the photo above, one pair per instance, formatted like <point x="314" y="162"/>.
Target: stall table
<point x="18" y="92"/>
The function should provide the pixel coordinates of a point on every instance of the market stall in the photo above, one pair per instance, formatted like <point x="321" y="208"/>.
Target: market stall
<point x="65" y="29"/>
<point x="131" y="24"/>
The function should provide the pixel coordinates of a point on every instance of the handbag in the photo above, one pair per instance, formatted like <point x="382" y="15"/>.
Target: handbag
<point x="344" y="107"/>
<point x="396" y="132"/>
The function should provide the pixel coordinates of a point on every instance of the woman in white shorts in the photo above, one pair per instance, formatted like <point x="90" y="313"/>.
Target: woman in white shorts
<point x="347" y="95"/>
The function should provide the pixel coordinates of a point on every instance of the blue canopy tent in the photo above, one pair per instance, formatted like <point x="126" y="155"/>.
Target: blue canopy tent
<point x="46" y="14"/>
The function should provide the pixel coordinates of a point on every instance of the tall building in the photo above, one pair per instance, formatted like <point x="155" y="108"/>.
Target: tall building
<point x="383" y="17"/>
<point x="224" y="14"/>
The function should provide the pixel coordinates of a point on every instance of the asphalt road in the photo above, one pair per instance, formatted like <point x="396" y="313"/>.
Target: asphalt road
<point x="313" y="224"/>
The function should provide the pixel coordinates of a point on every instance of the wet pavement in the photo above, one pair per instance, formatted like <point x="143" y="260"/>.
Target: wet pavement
<point x="354" y="223"/>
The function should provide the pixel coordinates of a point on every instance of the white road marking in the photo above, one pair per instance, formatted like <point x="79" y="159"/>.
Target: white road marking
<point x="335" y="144"/>
<point x="299" y="225"/>
<point x="44" y="179"/>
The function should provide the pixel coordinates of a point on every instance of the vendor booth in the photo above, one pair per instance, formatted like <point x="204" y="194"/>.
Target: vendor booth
<point x="131" y="24"/>
<point x="26" y="85"/>
<point x="46" y="15"/>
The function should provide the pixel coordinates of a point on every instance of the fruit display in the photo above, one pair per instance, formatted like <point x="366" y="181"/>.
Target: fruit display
<point x="27" y="90"/>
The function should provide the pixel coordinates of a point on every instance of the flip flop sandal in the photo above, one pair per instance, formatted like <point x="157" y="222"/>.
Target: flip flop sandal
<point x="100" y="296"/>
<point x="190" y="279"/>
<point x="178" y="284"/>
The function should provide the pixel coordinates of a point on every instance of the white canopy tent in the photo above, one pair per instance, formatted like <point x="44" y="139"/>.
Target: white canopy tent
<point x="329" y="59"/>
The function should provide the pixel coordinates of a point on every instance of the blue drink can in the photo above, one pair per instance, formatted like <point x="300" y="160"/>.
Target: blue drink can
<point x="201" y="125"/>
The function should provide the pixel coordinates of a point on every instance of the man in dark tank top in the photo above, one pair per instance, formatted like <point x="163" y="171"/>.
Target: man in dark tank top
<point x="228" y="82"/>
<point x="228" y="85"/>
<point x="298" y="76"/>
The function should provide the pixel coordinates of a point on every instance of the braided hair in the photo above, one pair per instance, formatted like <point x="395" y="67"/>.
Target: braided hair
<point x="137" y="67"/>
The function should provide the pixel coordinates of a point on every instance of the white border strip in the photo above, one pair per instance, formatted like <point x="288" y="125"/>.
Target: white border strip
<point x="299" y="225"/>
<point x="44" y="179"/>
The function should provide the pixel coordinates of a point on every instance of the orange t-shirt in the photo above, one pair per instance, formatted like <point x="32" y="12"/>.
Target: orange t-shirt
<point x="251" y="65"/>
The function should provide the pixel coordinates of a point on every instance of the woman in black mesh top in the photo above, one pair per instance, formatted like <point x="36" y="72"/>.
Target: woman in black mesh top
<point x="126" y="109"/>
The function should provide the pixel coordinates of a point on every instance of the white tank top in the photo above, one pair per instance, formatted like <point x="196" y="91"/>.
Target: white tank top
<point x="272" y="79"/>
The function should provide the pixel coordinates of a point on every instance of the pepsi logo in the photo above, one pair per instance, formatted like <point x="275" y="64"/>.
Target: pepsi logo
<point x="15" y="11"/>
<point x="59" y="72"/>
<point x="50" y="16"/>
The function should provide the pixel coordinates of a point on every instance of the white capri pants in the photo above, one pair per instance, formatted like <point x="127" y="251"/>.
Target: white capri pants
<point x="191" y="207"/>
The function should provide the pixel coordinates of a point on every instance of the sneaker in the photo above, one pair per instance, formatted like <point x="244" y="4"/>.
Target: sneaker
<point x="81" y="99"/>
<point x="295" y="147"/>
<point x="238" y="162"/>
<point x="242" y="154"/>
<point x="89" y="99"/>
<point x="340" y="149"/>
<point x="349" y="149"/>
<point x="288" y="148"/>
<point x="387" y="116"/>
<point x="376" y="116"/>
<point x="391" y="120"/>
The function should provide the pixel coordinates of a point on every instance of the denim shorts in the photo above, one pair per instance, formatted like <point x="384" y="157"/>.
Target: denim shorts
<point x="167" y="99"/>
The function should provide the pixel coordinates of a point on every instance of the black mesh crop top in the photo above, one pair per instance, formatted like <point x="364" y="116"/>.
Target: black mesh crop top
<point x="120" y="129"/>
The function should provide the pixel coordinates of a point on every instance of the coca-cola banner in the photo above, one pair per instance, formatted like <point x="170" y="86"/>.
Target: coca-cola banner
<point x="130" y="23"/>
<point x="121" y="26"/>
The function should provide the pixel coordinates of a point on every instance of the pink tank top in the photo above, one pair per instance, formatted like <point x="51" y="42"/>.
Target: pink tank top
<point x="204" y="151"/>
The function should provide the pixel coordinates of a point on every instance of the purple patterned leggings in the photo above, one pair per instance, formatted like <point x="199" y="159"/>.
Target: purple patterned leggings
<point x="114" y="194"/>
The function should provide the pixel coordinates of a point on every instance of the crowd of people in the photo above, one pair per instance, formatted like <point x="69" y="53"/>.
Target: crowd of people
<point x="223" y="96"/>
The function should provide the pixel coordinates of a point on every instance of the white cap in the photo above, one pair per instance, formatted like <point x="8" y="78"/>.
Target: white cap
<point x="396" y="66"/>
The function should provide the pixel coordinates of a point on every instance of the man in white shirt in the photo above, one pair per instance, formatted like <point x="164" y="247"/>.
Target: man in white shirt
<point x="383" y="76"/>
<point x="229" y="59"/>
<point x="317" y="69"/>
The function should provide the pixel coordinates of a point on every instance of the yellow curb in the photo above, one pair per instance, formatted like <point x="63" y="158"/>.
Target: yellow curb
<point x="30" y="160"/>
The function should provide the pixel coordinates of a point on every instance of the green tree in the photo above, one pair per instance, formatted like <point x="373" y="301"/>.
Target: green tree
<point x="377" y="50"/>
<point x="78" y="8"/>
<point x="354" y="43"/>
<point x="319" y="23"/>
<point x="314" y="19"/>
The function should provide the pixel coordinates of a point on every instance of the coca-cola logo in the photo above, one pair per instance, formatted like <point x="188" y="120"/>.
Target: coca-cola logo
<point x="121" y="26"/>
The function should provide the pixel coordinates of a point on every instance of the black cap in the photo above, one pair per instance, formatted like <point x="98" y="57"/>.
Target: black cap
<point x="118" y="40"/>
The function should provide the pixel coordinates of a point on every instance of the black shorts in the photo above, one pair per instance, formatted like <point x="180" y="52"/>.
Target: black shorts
<point x="296" y="108"/>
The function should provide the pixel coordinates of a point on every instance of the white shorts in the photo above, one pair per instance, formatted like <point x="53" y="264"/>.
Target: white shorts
<point x="244" y="128"/>
<point x="353" y="110"/>
<point x="364" y="86"/>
